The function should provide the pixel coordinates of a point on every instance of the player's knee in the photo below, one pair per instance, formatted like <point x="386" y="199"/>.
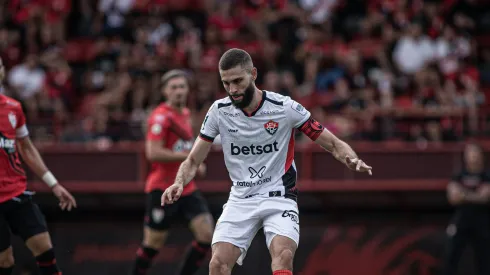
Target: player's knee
<point x="218" y="266"/>
<point x="7" y="259"/>
<point x="39" y="243"/>
<point x="205" y="235"/>
<point x="284" y="260"/>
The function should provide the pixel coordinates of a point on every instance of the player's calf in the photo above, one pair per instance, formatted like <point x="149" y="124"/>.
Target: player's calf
<point x="153" y="240"/>
<point x="202" y="227"/>
<point x="42" y="248"/>
<point x="6" y="261"/>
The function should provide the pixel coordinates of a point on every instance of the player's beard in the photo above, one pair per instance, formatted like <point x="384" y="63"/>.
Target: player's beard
<point x="247" y="97"/>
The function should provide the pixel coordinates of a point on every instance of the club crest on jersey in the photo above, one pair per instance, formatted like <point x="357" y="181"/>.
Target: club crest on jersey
<point x="271" y="127"/>
<point x="157" y="214"/>
<point x="12" y="119"/>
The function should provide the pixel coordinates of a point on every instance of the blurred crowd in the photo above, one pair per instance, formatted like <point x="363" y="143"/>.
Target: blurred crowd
<point x="88" y="70"/>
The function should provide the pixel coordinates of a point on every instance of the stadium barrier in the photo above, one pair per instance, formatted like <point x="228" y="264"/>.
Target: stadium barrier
<point x="391" y="223"/>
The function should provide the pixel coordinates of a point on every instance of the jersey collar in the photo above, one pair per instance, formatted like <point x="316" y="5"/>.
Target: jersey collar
<point x="262" y="100"/>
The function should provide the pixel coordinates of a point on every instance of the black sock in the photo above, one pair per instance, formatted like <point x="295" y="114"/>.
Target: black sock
<point x="193" y="258"/>
<point x="144" y="257"/>
<point x="6" y="270"/>
<point x="47" y="263"/>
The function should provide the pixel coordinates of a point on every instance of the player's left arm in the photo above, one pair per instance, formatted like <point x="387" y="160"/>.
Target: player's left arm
<point x="303" y="121"/>
<point x="481" y="195"/>
<point x="34" y="161"/>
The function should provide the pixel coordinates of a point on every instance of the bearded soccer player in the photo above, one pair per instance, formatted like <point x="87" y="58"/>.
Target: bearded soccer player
<point x="18" y="213"/>
<point x="257" y="134"/>
<point x="168" y="142"/>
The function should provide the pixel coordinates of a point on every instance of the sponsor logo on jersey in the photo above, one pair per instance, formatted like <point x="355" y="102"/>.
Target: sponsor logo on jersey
<point x="254" y="149"/>
<point x="156" y="129"/>
<point x="254" y="173"/>
<point x="12" y="119"/>
<point x="269" y="112"/>
<point x="252" y="183"/>
<point x="7" y="144"/>
<point x="233" y="130"/>
<point x="271" y="127"/>
<point x="470" y="181"/>
<point x="293" y="215"/>
<point x="298" y="108"/>
<point x="231" y="114"/>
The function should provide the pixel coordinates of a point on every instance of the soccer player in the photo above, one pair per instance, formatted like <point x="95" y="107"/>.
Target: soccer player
<point x="469" y="193"/>
<point x="168" y="142"/>
<point x="257" y="136"/>
<point x="18" y="213"/>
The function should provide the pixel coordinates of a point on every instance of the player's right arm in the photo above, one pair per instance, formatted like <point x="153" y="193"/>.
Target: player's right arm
<point x="34" y="161"/>
<point x="158" y="126"/>
<point x="301" y="119"/>
<point x="200" y="150"/>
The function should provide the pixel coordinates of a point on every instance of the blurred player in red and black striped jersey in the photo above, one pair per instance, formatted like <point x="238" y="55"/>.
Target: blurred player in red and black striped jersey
<point x="18" y="213"/>
<point x="169" y="139"/>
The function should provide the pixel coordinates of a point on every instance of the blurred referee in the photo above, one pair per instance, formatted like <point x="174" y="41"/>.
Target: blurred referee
<point x="469" y="193"/>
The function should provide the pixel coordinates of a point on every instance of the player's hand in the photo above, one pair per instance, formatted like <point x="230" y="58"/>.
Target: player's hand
<point x="67" y="201"/>
<point x="172" y="194"/>
<point x="358" y="165"/>
<point x="201" y="171"/>
<point x="457" y="196"/>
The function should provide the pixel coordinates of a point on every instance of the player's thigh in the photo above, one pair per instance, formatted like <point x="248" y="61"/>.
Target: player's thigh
<point x="281" y="218"/>
<point x="224" y="253"/>
<point x="27" y="221"/>
<point x="196" y="211"/>
<point x="238" y="225"/>
<point x="158" y="219"/>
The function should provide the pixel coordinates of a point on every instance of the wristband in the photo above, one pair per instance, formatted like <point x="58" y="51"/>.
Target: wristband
<point x="49" y="179"/>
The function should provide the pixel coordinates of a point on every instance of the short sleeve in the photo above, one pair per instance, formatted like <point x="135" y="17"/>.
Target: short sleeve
<point x="297" y="114"/>
<point x="158" y="125"/>
<point x="21" y="129"/>
<point x="209" y="128"/>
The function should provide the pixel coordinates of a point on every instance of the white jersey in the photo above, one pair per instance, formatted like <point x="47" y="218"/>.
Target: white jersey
<point x="258" y="148"/>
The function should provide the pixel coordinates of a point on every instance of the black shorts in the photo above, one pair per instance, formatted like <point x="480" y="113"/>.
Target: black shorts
<point x="160" y="218"/>
<point x="22" y="217"/>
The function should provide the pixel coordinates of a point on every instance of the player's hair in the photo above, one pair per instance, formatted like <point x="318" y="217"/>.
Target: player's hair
<point x="171" y="75"/>
<point x="235" y="57"/>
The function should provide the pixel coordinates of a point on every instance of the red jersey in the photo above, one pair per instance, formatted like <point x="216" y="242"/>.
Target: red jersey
<point x="12" y="127"/>
<point x="175" y="130"/>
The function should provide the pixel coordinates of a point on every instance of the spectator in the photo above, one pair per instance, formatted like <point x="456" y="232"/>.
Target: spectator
<point x="414" y="51"/>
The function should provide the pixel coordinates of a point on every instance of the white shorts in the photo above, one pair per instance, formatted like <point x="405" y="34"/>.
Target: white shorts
<point x="241" y="220"/>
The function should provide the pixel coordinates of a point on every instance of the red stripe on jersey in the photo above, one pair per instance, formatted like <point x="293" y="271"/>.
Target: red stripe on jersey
<point x="290" y="154"/>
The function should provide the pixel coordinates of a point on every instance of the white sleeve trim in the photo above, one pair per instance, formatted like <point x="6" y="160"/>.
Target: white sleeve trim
<point x="21" y="131"/>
